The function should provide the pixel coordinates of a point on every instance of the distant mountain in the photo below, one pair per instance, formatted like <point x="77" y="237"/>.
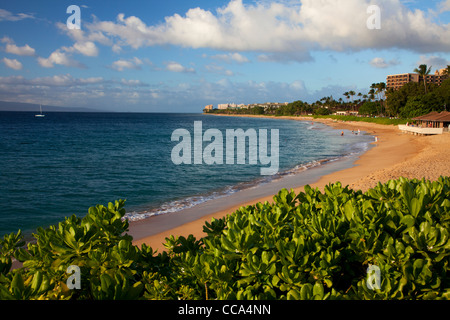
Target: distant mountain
<point x="33" y="107"/>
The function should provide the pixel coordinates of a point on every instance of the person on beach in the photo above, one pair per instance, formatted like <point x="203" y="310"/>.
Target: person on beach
<point x="342" y="133"/>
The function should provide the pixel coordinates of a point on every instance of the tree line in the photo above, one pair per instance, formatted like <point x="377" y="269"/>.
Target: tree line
<point x="411" y="100"/>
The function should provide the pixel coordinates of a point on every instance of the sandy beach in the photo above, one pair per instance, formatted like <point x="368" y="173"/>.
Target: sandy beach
<point x="394" y="155"/>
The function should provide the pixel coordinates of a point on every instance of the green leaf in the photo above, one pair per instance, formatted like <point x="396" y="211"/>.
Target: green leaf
<point x="318" y="291"/>
<point x="36" y="283"/>
<point x="306" y="291"/>
<point x="408" y="220"/>
<point x="106" y="282"/>
<point x="349" y="210"/>
<point x="415" y="206"/>
<point x="17" y="286"/>
<point x="294" y="295"/>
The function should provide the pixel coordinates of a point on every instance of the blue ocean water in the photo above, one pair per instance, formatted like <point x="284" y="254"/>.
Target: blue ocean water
<point x="62" y="164"/>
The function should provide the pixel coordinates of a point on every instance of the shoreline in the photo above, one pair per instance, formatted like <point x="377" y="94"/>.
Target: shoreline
<point x="394" y="154"/>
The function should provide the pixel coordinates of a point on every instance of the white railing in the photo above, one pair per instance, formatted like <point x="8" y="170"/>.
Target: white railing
<point x="418" y="130"/>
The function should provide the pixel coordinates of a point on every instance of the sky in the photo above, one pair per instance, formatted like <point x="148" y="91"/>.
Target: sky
<point x="181" y="55"/>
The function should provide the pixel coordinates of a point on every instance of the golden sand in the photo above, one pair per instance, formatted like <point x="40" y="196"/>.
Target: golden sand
<point x="395" y="155"/>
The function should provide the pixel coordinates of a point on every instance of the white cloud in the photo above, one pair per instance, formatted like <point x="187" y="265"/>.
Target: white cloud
<point x="116" y="48"/>
<point x="86" y="48"/>
<point x="12" y="48"/>
<point x="121" y="64"/>
<point x="231" y="57"/>
<point x="436" y="62"/>
<point x="96" y="92"/>
<point x="133" y="83"/>
<point x="80" y="35"/>
<point x="287" y="28"/>
<point x="12" y="63"/>
<point x="25" y="50"/>
<point x="176" y="67"/>
<point x="286" y="57"/>
<point x="381" y="63"/>
<point x="67" y="90"/>
<point x="444" y="6"/>
<point x="62" y="80"/>
<point x="214" y="68"/>
<point x="60" y="58"/>
<point x="6" y="39"/>
<point x="6" y="15"/>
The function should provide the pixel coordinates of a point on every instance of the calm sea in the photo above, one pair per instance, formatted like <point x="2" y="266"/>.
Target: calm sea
<point x="63" y="164"/>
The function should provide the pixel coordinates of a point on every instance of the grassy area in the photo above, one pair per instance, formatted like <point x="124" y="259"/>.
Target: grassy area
<point x="378" y="120"/>
<point x="385" y="121"/>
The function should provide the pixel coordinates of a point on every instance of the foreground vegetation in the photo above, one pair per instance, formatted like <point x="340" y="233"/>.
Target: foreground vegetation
<point x="311" y="245"/>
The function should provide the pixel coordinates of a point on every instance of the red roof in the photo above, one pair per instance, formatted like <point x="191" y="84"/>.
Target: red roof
<point x="444" y="116"/>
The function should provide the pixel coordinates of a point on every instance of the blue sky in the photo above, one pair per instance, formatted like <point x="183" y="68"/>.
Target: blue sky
<point x="180" y="55"/>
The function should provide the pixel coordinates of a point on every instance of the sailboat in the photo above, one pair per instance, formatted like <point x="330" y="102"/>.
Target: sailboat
<point x="40" y="115"/>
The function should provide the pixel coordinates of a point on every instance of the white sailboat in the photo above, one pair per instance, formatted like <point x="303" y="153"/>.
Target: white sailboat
<point x="40" y="115"/>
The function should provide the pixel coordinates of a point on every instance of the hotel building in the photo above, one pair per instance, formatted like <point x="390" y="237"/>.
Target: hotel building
<point x="397" y="81"/>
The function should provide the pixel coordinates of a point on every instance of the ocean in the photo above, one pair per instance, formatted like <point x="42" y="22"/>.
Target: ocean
<point x="64" y="163"/>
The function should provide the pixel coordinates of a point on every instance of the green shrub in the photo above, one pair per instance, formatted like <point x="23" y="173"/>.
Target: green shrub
<point x="312" y="245"/>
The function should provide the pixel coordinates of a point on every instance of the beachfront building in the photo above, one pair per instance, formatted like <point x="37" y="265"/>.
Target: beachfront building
<point x="434" y="120"/>
<point x="429" y="124"/>
<point x="396" y="81"/>
<point x="209" y="107"/>
<point x="346" y="113"/>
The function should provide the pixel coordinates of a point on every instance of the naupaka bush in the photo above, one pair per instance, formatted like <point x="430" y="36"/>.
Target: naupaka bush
<point x="312" y="245"/>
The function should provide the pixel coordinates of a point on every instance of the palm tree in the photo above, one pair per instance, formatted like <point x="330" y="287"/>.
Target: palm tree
<point x="447" y="71"/>
<point x="351" y="93"/>
<point x="378" y="89"/>
<point x="423" y="71"/>
<point x="381" y="88"/>
<point x="372" y="93"/>
<point x="347" y="95"/>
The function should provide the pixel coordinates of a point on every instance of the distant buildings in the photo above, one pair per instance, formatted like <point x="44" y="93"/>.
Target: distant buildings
<point x="223" y="106"/>
<point x="397" y="81"/>
<point x="346" y="113"/>
<point x="234" y="106"/>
